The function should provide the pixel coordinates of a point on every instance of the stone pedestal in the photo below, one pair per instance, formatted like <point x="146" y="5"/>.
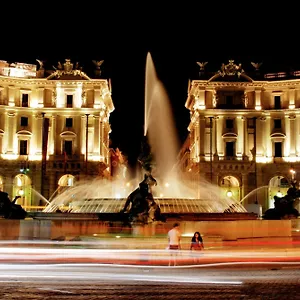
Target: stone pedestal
<point x="137" y="230"/>
<point x="143" y="229"/>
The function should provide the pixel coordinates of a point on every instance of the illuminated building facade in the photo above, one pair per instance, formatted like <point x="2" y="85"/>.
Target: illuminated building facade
<point x="244" y="132"/>
<point x="54" y="128"/>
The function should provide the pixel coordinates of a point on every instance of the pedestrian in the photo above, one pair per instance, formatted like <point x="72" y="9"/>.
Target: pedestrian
<point x="196" y="245"/>
<point x="174" y="236"/>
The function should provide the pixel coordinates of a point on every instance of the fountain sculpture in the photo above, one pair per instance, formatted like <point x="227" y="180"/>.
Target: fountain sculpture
<point x="173" y="194"/>
<point x="9" y="209"/>
<point x="284" y="206"/>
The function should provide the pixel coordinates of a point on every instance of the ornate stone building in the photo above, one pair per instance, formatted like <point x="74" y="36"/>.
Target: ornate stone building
<point x="244" y="133"/>
<point x="54" y="128"/>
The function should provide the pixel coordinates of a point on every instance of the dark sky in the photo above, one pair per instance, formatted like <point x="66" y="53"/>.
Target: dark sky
<point x="176" y="40"/>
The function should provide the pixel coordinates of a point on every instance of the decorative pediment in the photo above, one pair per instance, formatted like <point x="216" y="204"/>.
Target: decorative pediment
<point x="231" y="69"/>
<point x="24" y="134"/>
<point x="229" y="136"/>
<point x="66" y="134"/>
<point x="67" y="71"/>
<point x="231" y="72"/>
<point x="278" y="137"/>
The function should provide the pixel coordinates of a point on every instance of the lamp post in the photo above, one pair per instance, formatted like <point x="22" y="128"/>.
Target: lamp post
<point x="86" y="142"/>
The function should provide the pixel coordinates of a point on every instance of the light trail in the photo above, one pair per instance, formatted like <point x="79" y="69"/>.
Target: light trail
<point x="95" y="252"/>
<point x="71" y="272"/>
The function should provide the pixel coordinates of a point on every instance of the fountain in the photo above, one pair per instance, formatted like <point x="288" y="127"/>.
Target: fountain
<point x="174" y="194"/>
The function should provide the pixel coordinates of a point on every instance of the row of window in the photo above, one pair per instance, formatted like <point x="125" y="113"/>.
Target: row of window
<point x="25" y="100"/>
<point x="229" y="123"/>
<point x="230" y="149"/>
<point x="230" y="101"/>
<point x="67" y="147"/>
<point x="24" y="122"/>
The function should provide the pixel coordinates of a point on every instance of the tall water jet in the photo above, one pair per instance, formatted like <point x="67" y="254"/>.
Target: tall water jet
<point x="150" y="79"/>
<point x="159" y="124"/>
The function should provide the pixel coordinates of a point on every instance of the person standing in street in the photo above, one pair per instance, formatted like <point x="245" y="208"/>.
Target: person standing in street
<point x="174" y="236"/>
<point x="196" y="245"/>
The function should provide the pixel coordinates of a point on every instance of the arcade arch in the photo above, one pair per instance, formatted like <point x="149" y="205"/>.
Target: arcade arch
<point x="66" y="180"/>
<point x="231" y="187"/>
<point x="22" y="188"/>
<point x="278" y="185"/>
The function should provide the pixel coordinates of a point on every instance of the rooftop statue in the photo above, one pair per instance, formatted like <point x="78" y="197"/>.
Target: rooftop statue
<point x="284" y="206"/>
<point x="9" y="209"/>
<point x="67" y="69"/>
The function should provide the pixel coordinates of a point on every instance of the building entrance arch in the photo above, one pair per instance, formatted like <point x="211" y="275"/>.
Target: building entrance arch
<point x="22" y="188"/>
<point x="231" y="187"/>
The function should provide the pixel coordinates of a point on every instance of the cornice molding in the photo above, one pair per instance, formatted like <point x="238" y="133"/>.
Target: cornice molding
<point x="45" y="82"/>
<point x="293" y="83"/>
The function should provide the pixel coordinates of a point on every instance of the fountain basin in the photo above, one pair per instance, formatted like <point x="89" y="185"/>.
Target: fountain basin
<point x="167" y="206"/>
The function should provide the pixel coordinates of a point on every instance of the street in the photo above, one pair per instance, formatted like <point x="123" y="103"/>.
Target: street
<point x="98" y="281"/>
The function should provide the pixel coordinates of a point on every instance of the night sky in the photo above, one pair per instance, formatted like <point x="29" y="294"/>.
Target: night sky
<point x="176" y="43"/>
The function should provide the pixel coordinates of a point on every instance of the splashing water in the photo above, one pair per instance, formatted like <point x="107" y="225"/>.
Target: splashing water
<point x="39" y="195"/>
<point x="256" y="194"/>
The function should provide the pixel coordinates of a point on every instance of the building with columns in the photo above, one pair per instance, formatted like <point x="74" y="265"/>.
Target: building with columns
<point x="54" y="128"/>
<point x="244" y="132"/>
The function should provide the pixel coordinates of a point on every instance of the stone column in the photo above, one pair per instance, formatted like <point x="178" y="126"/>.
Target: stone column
<point x="101" y="139"/>
<point x="260" y="138"/>
<point x="11" y="126"/>
<point x="245" y="139"/>
<point x="215" y="129"/>
<point x="39" y="134"/>
<point x="257" y="99"/>
<point x="35" y="129"/>
<point x="287" y="141"/>
<point x="11" y="95"/>
<point x="201" y="98"/>
<point x="290" y="141"/>
<point x="197" y="140"/>
<point x="202" y="137"/>
<point x="220" y="122"/>
<point x="40" y="97"/>
<point x="58" y="130"/>
<point x="53" y="136"/>
<point x="97" y="97"/>
<point x="240" y="137"/>
<point x="292" y="119"/>
<point x="96" y="150"/>
<point x="292" y="98"/>
<point x="267" y="139"/>
<point x="83" y="133"/>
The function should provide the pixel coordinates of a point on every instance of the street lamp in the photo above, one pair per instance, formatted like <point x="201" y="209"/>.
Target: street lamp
<point x="293" y="172"/>
<point x="229" y="193"/>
